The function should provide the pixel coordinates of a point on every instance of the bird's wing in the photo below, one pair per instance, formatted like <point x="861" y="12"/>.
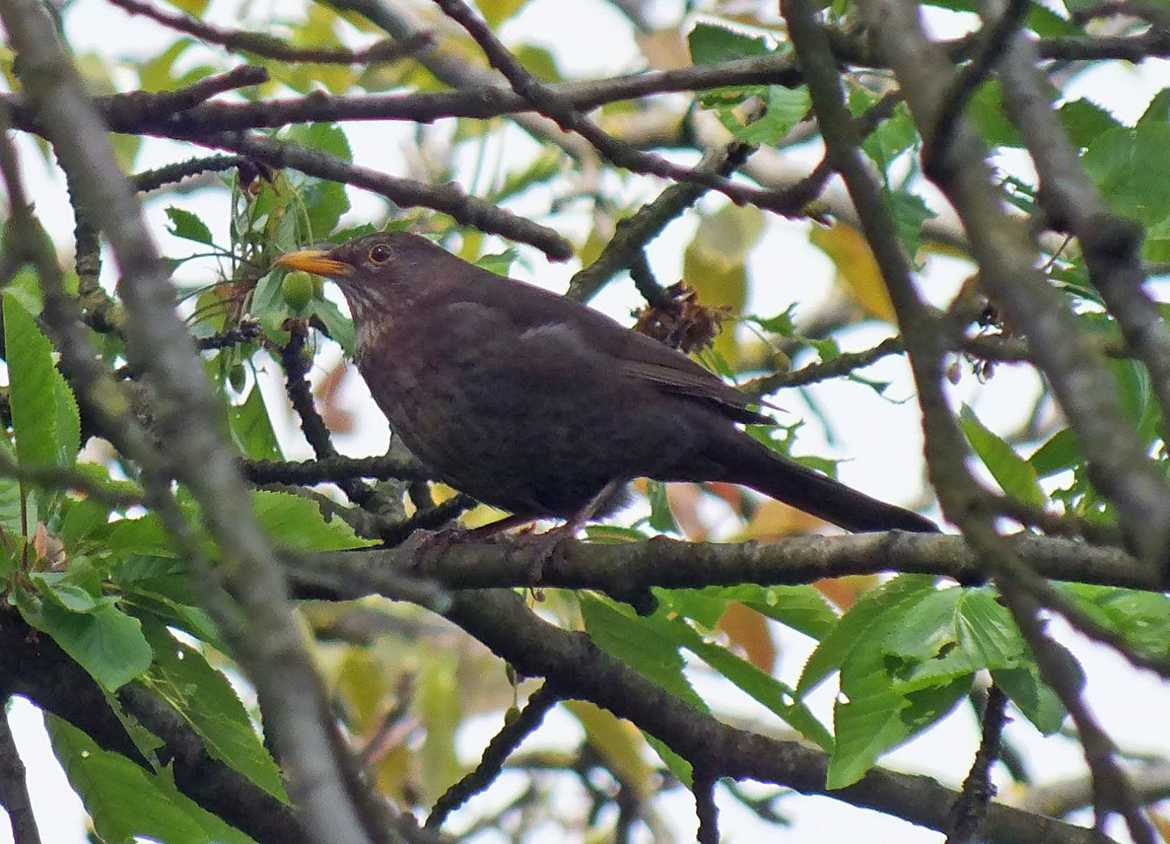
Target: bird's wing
<point x="534" y="310"/>
<point x="646" y="358"/>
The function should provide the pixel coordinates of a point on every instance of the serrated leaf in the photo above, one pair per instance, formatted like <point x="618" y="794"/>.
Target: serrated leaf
<point x="1158" y="111"/>
<point x="1014" y="474"/>
<point x="761" y="686"/>
<point x="785" y="108"/>
<point x="1032" y="697"/>
<point x="710" y="44"/>
<point x="44" y="413"/>
<point x="855" y="628"/>
<point x="208" y="703"/>
<point x="125" y="802"/>
<point x="326" y="137"/>
<point x="1084" y="121"/>
<point x="640" y="644"/>
<point x="188" y="226"/>
<point x="874" y="721"/>
<point x="987" y="112"/>
<point x="106" y="642"/>
<point x="1143" y="618"/>
<point x="950" y="633"/>
<point x="1132" y="170"/>
<point x="296" y="522"/>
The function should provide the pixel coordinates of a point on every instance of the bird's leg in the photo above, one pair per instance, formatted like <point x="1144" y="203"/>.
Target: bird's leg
<point x="548" y="542"/>
<point x="431" y="544"/>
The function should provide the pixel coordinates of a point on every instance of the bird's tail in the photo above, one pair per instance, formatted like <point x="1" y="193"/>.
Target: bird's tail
<point x="747" y="462"/>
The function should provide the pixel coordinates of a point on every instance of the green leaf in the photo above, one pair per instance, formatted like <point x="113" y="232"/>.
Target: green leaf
<point x="874" y="720"/>
<point x="188" y="226"/>
<point x="326" y="137"/>
<point x="324" y="204"/>
<point x="1059" y="454"/>
<point x="950" y="633"/>
<point x="710" y="44"/>
<point x="297" y="523"/>
<point x="1085" y="121"/>
<point x="856" y="627"/>
<point x="208" y="703"/>
<point x="641" y="644"/>
<point x="760" y="685"/>
<point x="800" y="607"/>
<point x="1158" y="111"/>
<point x="125" y="802"/>
<point x="44" y="413"/>
<point x="499" y="263"/>
<point x="252" y="428"/>
<point x="785" y="108"/>
<point x="661" y="517"/>
<point x="1013" y="473"/>
<point x="1032" y="696"/>
<point x="339" y="326"/>
<point x="683" y="771"/>
<point x="68" y="596"/>
<point x="1132" y="170"/>
<point x="1143" y="618"/>
<point x="910" y="212"/>
<point x="893" y="136"/>
<point x="105" y="642"/>
<point x="987" y="112"/>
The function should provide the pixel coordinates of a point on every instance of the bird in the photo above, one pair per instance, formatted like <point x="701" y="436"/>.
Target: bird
<point x="543" y="406"/>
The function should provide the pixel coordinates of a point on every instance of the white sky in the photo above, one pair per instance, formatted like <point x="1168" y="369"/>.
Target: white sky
<point x="882" y="439"/>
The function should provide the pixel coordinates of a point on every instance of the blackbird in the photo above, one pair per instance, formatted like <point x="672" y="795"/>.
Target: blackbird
<point x="544" y="407"/>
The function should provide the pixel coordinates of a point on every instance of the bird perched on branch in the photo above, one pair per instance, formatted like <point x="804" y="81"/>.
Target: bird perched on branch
<point x="544" y="407"/>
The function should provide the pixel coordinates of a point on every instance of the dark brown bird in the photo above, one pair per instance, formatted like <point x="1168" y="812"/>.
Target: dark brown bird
<point x="542" y="406"/>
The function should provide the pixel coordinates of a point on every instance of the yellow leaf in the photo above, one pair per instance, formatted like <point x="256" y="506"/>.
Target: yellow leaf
<point x="195" y="8"/>
<point x="713" y="264"/>
<point x="774" y="519"/>
<point x="856" y="268"/>
<point x="438" y="707"/>
<point x="362" y="684"/>
<point x="619" y="742"/>
<point x="497" y="11"/>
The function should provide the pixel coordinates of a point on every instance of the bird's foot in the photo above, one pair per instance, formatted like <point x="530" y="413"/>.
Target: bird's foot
<point x="427" y="546"/>
<point x="542" y="550"/>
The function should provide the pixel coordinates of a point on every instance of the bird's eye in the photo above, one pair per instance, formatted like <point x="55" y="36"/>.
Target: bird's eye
<point x="380" y="254"/>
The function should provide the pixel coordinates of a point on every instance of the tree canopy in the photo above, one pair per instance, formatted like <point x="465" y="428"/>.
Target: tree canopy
<point x="237" y="631"/>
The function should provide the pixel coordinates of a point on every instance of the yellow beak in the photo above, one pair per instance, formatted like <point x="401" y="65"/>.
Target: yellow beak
<point x="317" y="262"/>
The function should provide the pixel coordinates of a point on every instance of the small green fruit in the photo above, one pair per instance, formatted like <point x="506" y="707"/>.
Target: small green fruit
<point x="297" y="289"/>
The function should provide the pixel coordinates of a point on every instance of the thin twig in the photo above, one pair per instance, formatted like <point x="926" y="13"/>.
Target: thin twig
<point x="970" y="809"/>
<point x="262" y="44"/>
<point x="703" y="787"/>
<point x="495" y="755"/>
<point x="14" y="798"/>
<point x="551" y="105"/>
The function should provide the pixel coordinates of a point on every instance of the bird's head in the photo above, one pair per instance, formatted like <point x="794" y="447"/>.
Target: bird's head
<point x="379" y="273"/>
